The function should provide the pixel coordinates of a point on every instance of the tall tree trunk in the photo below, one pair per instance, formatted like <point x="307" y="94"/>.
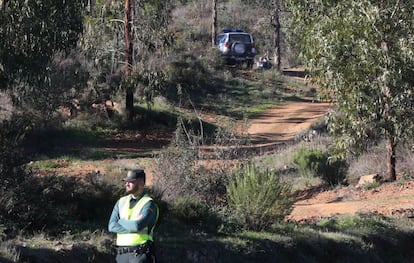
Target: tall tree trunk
<point x="390" y="134"/>
<point x="91" y="6"/>
<point x="214" y="23"/>
<point x="276" y="39"/>
<point x="129" y="98"/>
<point x="391" y="161"/>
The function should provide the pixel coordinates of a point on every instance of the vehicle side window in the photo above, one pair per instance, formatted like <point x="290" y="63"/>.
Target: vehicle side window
<point x="220" y="39"/>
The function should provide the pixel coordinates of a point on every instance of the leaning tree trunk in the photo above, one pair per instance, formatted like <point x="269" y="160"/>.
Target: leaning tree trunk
<point x="276" y="40"/>
<point x="214" y="23"/>
<point x="129" y="98"/>
<point x="391" y="161"/>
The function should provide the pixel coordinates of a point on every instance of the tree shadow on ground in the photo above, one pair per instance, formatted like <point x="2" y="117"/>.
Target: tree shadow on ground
<point x="78" y="254"/>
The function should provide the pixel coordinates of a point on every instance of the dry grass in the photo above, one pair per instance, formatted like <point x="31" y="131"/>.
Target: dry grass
<point x="6" y="106"/>
<point x="374" y="161"/>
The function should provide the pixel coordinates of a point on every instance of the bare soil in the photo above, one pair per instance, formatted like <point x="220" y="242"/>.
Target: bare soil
<point x="284" y="123"/>
<point x="391" y="199"/>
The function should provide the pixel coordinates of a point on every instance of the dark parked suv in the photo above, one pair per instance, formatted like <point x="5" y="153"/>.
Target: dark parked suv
<point x="236" y="46"/>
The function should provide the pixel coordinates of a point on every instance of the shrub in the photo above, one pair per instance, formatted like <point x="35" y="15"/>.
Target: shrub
<point x="315" y="163"/>
<point x="189" y="209"/>
<point x="334" y="171"/>
<point x="309" y="162"/>
<point x="177" y="175"/>
<point x="183" y="171"/>
<point x="259" y="198"/>
<point x="12" y="172"/>
<point x="187" y="74"/>
<point x="56" y="203"/>
<point x="12" y="134"/>
<point x="373" y="185"/>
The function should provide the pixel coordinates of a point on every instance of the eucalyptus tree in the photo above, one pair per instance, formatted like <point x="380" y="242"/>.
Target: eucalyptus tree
<point x="37" y="72"/>
<point x="362" y="53"/>
<point x="213" y="23"/>
<point x="36" y="39"/>
<point x="273" y="14"/>
<point x="129" y="15"/>
<point x="124" y="43"/>
<point x="276" y="38"/>
<point x="153" y="39"/>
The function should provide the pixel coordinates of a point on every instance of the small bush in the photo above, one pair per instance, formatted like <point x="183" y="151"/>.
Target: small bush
<point x="373" y="185"/>
<point x="259" y="198"/>
<point x="188" y="74"/>
<point x="309" y="162"/>
<point x="315" y="163"/>
<point x="362" y="224"/>
<point x="183" y="171"/>
<point x="227" y="221"/>
<point x="12" y="135"/>
<point x="177" y="174"/>
<point x="189" y="210"/>
<point x="10" y="253"/>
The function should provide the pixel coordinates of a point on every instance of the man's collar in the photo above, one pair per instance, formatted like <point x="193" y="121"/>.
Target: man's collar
<point x="137" y="197"/>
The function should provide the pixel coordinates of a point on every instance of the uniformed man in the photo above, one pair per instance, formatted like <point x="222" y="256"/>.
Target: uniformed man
<point x="133" y="220"/>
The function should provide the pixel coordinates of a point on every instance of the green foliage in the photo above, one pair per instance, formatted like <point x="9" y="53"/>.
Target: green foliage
<point x="309" y="162"/>
<point x="35" y="63"/>
<point x="65" y="79"/>
<point x="12" y="135"/>
<point x="103" y="46"/>
<point x="259" y="198"/>
<point x="189" y="209"/>
<point x="32" y="32"/>
<point x="373" y="185"/>
<point x="151" y="28"/>
<point x="316" y="163"/>
<point x="48" y="164"/>
<point x="361" y="52"/>
<point x="361" y="224"/>
<point x="60" y="203"/>
<point x="187" y="76"/>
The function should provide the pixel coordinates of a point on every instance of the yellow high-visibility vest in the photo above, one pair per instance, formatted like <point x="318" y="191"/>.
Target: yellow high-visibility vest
<point x="139" y="238"/>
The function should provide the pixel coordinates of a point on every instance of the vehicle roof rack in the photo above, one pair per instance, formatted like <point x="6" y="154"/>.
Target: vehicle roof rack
<point x="228" y="30"/>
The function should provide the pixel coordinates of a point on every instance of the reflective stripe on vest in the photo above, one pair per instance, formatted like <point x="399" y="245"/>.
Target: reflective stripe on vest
<point x="133" y="239"/>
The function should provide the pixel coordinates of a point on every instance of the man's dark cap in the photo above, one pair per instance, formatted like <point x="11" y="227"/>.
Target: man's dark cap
<point x="134" y="174"/>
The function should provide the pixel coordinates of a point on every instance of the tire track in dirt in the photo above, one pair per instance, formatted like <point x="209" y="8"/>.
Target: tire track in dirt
<point x="283" y="123"/>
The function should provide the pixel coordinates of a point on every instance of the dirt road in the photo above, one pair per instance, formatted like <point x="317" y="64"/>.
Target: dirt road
<point x="281" y="124"/>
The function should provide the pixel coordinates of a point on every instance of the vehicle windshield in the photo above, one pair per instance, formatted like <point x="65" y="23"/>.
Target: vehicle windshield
<point x="240" y="38"/>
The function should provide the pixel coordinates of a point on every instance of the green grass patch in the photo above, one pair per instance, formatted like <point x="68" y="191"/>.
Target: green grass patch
<point x="242" y="97"/>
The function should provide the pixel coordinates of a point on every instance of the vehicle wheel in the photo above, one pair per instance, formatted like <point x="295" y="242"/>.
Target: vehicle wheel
<point x="239" y="48"/>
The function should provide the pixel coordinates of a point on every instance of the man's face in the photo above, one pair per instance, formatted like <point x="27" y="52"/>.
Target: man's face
<point x="134" y="187"/>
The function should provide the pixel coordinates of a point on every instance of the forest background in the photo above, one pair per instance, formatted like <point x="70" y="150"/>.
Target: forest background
<point x="72" y="88"/>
